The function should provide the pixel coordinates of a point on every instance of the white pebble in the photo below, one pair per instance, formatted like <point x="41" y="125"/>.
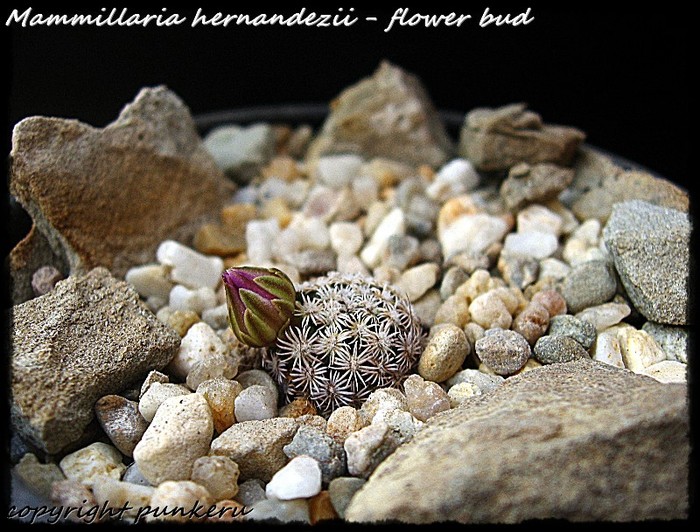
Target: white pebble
<point x="471" y="233"/>
<point x="184" y="494"/>
<point x="112" y="493"/>
<point x="252" y="377"/>
<point x="199" y="342"/>
<point x="456" y="177"/>
<point x="536" y="244"/>
<point x="155" y="395"/>
<point x="337" y="171"/>
<point x="287" y="243"/>
<point x="189" y="267"/>
<point x="299" y="479"/>
<point x="604" y="316"/>
<point x="150" y="280"/>
<point x="196" y="300"/>
<point x="255" y="402"/>
<point x="460" y="392"/>
<point x="639" y="349"/>
<point x="588" y="232"/>
<point x="345" y="238"/>
<point x="351" y="264"/>
<point x="88" y="463"/>
<point x="553" y="268"/>
<point x="313" y="232"/>
<point x="216" y="317"/>
<point x="606" y="349"/>
<point x="260" y="236"/>
<point x="392" y="224"/>
<point x="418" y="280"/>
<point x="484" y="382"/>
<point x="539" y="218"/>
<point x="667" y="371"/>
<point x="365" y="190"/>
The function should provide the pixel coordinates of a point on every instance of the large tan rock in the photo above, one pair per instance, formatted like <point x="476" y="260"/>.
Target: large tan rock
<point x="580" y="441"/>
<point x="388" y="115"/>
<point x="90" y="336"/>
<point x="108" y="196"/>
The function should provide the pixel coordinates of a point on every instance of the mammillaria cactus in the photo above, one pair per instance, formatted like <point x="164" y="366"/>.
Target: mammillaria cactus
<point x="347" y="337"/>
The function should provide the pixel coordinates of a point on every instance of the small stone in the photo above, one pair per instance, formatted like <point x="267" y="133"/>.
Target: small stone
<point x="73" y="494"/>
<point x="529" y="366"/>
<point x="260" y="236"/>
<point x="251" y="492"/>
<point x="257" y="376"/>
<point x="195" y="300"/>
<point x="155" y="395"/>
<point x="182" y="494"/>
<point x="227" y="511"/>
<point x="121" y="421"/>
<point x="315" y="443"/>
<point x="276" y="511"/>
<point x="342" y="422"/>
<point x="255" y="402"/>
<point x="518" y="270"/>
<point x="365" y="190"/>
<point x="504" y="351"/>
<point x="116" y="494"/>
<point x="153" y="376"/>
<point x="241" y="151"/>
<point x="44" y="279"/>
<point x="216" y="317"/>
<point x="199" y="343"/>
<point x="472" y="234"/>
<point x="321" y="508"/>
<point x="489" y="311"/>
<point x="552" y="301"/>
<point x="589" y="284"/>
<point x="298" y="407"/>
<point x="256" y="446"/>
<point x="189" y="268"/>
<point x="535" y="244"/>
<point x="86" y="464"/>
<point x="667" y="371"/>
<point x="134" y="475"/>
<point x="37" y="476"/>
<point x="673" y="340"/>
<point x="460" y="392"/>
<point x="341" y="490"/>
<point x="299" y="479"/>
<point x="402" y="251"/>
<point x="221" y="394"/>
<point x="606" y="348"/>
<point x="351" y="264"/>
<point x="427" y="306"/>
<point x="444" y="354"/>
<point x="454" y="310"/>
<point x="182" y="320"/>
<point x="424" y="398"/>
<point x="532" y="322"/>
<point x="179" y="434"/>
<point x="552" y="349"/>
<point x="213" y="366"/>
<point x="392" y="224"/>
<point x="639" y="349"/>
<point x="553" y="268"/>
<point x="216" y="239"/>
<point x="345" y="238"/>
<point x="338" y="171"/>
<point x="368" y="447"/>
<point x="456" y="177"/>
<point x="483" y="382"/>
<point x="402" y="425"/>
<point x="473" y="332"/>
<point x="416" y="281"/>
<point x="534" y="183"/>
<point x="218" y="474"/>
<point x="382" y="399"/>
<point x="150" y="280"/>
<point x="451" y="280"/>
<point x="539" y="218"/>
<point x="312" y="262"/>
<point x="567" y="325"/>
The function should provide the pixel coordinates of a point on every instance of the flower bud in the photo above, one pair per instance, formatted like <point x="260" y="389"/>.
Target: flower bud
<point x="260" y="303"/>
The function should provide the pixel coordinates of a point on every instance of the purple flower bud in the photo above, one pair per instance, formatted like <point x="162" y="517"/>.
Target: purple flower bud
<point x="260" y="303"/>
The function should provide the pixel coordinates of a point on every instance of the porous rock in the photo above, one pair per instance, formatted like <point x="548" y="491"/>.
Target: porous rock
<point x="594" y="426"/>
<point x="89" y="337"/>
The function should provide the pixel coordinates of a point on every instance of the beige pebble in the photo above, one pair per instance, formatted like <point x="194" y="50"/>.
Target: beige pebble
<point x="221" y="394"/>
<point x="185" y="495"/>
<point x="154" y="396"/>
<point x="342" y="422"/>
<point x="425" y="398"/>
<point x="668" y="371"/>
<point x="454" y="310"/>
<point x="37" y="476"/>
<point x="182" y="320"/>
<point x="462" y="391"/>
<point x="382" y="399"/>
<point x="444" y="354"/>
<point x="639" y="349"/>
<point x="116" y="494"/>
<point x="489" y="311"/>
<point x="218" y="474"/>
<point x="96" y="459"/>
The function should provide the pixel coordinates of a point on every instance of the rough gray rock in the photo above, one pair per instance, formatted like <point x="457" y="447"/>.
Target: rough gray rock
<point x="531" y="184"/>
<point x="589" y="284"/>
<point x="386" y="115"/>
<point x="673" y="340"/>
<point x="151" y="154"/>
<point x="90" y="336"/>
<point x="496" y="139"/>
<point x="578" y="441"/>
<point x="650" y="246"/>
<point x="241" y="151"/>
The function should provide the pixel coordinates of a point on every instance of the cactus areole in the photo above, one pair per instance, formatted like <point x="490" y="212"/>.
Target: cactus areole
<point x="333" y="341"/>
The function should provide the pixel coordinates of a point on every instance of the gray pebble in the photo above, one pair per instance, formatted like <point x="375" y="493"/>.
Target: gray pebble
<point x="673" y="340"/>
<point x="588" y="284"/>
<point x="502" y="350"/>
<point x="402" y="251"/>
<point x="452" y="279"/>
<point x="552" y="349"/>
<point x="341" y="490"/>
<point x="121" y="421"/>
<point x="329" y="454"/>
<point x="313" y="261"/>
<point x="567" y="325"/>
<point x="251" y="491"/>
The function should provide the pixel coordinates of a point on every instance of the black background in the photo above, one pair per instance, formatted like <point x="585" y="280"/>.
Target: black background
<point x="618" y="72"/>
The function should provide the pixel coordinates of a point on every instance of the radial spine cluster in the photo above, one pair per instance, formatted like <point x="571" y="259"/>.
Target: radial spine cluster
<point x="348" y="337"/>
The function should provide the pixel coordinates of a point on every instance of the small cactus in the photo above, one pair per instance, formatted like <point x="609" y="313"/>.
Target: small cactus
<point x="348" y="337"/>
